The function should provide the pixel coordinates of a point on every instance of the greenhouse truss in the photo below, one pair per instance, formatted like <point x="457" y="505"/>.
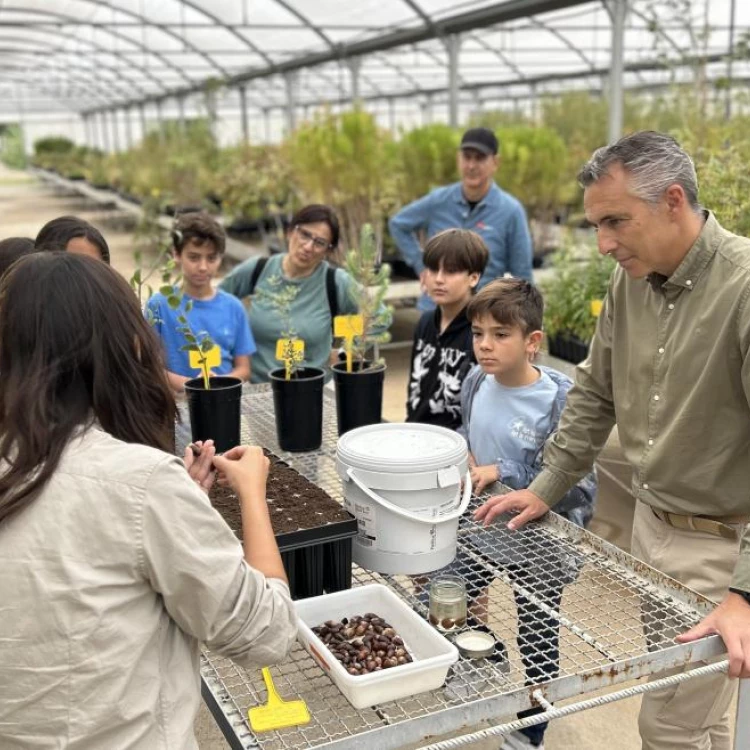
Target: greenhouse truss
<point x="262" y="65"/>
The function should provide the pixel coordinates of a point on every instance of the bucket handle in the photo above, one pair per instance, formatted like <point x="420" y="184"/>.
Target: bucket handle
<point x="456" y="513"/>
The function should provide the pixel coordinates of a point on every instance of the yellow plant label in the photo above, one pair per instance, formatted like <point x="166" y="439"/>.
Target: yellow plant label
<point x="348" y="326"/>
<point x="213" y="358"/>
<point x="596" y="307"/>
<point x="287" y="349"/>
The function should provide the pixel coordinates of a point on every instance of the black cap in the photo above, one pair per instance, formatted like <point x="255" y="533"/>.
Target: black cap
<point x="481" y="139"/>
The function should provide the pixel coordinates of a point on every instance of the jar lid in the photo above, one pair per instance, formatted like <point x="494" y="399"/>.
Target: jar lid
<point x="401" y="447"/>
<point x="475" y="644"/>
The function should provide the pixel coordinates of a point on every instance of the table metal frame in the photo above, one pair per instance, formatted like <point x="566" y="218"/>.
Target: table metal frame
<point x="617" y="623"/>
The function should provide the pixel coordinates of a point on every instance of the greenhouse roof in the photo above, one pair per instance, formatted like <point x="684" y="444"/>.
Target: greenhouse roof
<point x="86" y="56"/>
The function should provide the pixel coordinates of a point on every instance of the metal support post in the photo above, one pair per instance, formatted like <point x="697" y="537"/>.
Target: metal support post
<point x="160" y="118"/>
<point x="267" y="124"/>
<point x="453" y="45"/>
<point x="243" y="113"/>
<point x="534" y="103"/>
<point x="115" y="131"/>
<point x="89" y="141"/>
<point x="128" y="127"/>
<point x="477" y="102"/>
<point x="104" y="132"/>
<point x="142" y="114"/>
<point x="730" y="56"/>
<point x="742" y="729"/>
<point x="291" y="79"/>
<point x="618" y="11"/>
<point x="181" y="112"/>
<point x="355" y="65"/>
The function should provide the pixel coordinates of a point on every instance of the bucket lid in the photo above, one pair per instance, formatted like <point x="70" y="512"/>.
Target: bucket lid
<point x="401" y="447"/>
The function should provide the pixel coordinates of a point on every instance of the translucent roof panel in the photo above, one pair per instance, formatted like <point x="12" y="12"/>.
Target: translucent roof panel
<point x="88" y="55"/>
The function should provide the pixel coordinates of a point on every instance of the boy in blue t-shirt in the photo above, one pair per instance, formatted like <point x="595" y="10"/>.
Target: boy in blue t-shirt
<point x="509" y="408"/>
<point x="199" y="242"/>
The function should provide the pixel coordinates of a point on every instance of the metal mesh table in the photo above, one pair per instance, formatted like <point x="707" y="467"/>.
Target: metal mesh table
<point x="617" y="621"/>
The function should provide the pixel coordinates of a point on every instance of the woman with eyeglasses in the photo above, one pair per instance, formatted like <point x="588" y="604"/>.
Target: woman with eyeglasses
<point x="313" y="237"/>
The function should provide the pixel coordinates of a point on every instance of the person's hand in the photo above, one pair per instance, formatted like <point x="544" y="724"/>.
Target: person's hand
<point x="730" y="620"/>
<point x="245" y="469"/>
<point x="481" y="476"/>
<point x="472" y="461"/>
<point x="200" y="468"/>
<point x="529" y="505"/>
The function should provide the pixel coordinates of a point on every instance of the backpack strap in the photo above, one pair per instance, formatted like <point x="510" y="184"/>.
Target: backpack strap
<point x="257" y="271"/>
<point x="333" y="300"/>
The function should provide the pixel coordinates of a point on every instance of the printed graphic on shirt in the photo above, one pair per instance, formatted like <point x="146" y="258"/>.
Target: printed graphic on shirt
<point x="447" y="395"/>
<point x="524" y="431"/>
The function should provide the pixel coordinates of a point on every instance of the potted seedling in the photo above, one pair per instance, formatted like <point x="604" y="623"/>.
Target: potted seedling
<point x="213" y="401"/>
<point x="359" y="380"/>
<point x="297" y="388"/>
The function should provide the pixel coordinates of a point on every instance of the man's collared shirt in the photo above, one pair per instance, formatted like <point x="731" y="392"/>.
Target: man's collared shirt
<point x="498" y="218"/>
<point x="670" y="364"/>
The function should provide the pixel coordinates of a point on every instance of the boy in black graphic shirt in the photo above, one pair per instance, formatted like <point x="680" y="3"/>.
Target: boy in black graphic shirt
<point x="442" y="354"/>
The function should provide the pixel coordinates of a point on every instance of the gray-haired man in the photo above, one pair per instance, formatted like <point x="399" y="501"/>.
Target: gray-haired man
<point x="670" y="362"/>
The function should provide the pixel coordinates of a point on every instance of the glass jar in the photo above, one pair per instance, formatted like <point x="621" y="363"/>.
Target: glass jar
<point x="447" y="603"/>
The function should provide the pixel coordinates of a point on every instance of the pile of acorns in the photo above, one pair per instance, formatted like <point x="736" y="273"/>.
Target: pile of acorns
<point x="363" y="644"/>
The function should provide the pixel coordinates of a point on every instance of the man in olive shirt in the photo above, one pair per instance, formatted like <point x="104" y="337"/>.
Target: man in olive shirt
<point x="670" y="363"/>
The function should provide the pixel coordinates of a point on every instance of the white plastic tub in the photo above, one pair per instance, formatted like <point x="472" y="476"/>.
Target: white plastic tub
<point x="403" y="484"/>
<point x="432" y="653"/>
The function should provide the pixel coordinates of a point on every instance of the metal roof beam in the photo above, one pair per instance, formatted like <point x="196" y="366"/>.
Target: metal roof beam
<point x="461" y="22"/>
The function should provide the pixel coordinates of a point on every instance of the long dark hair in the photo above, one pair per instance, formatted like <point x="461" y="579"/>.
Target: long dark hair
<point x="74" y="349"/>
<point x="56" y="234"/>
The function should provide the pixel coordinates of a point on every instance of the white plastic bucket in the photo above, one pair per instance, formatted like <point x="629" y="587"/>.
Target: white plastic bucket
<point x="402" y="482"/>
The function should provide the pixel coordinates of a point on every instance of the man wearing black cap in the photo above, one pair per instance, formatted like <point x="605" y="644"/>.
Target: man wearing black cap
<point x="475" y="203"/>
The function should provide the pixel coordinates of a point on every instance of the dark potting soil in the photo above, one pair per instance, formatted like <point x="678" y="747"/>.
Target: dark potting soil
<point x="294" y="502"/>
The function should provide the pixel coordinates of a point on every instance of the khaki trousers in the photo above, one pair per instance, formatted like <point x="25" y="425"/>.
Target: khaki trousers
<point x="695" y="714"/>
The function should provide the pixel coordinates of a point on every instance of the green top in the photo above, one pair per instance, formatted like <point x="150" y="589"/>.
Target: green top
<point x="311" y="315"/>
<point x="670" y="363"/>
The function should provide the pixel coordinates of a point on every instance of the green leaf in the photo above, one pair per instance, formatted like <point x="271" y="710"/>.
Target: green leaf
<point x="174" y="302"/>
<point x="167" y="290"/>
<point x="188" y="306"/>
<point x="189" y="348"/>
<point x="206" y="345"/>
<point x="136" y="279"/>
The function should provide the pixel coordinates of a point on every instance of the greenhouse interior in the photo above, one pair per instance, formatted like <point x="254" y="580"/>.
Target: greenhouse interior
<point x="292" y="267"/>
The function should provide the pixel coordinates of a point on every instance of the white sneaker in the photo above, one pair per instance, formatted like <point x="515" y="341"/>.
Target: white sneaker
<point x="519" y="741"/>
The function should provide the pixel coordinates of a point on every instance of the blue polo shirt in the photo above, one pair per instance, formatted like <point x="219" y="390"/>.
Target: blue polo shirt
<point x="498" y="218"/>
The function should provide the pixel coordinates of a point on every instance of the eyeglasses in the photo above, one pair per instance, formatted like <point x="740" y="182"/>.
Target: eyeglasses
<point x="318" y="242"/>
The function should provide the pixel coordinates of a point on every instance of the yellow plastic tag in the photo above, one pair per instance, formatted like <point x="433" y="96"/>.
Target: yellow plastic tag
<point x="347" y="326"/>
<point x="213" y="358"/>
<point x="285" y="347"/>
<point x="596" y="307"/>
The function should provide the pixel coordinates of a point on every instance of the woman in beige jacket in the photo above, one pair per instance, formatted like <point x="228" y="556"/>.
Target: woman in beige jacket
<point x="114" y="567"/>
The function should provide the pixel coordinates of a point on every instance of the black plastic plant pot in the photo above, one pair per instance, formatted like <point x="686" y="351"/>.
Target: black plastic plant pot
<point x="298" y="407"/>
<point x="215" y="413"/>
<point x="359" y="394"/>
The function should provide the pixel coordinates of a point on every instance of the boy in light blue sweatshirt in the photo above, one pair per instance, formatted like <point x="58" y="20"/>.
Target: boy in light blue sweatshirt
<point x="510" y="407"/>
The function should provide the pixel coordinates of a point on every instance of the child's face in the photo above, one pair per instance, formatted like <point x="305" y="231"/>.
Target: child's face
<point x="501" y="349"/>
<point x="449" y="287"/>
<point x="199" y="264"/>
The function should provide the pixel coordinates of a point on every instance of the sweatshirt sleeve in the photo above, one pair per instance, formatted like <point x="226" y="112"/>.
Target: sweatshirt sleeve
<point x="192" y="558"/>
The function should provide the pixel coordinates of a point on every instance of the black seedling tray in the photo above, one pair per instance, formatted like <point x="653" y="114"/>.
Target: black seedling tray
<point x="318" y="560"/>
